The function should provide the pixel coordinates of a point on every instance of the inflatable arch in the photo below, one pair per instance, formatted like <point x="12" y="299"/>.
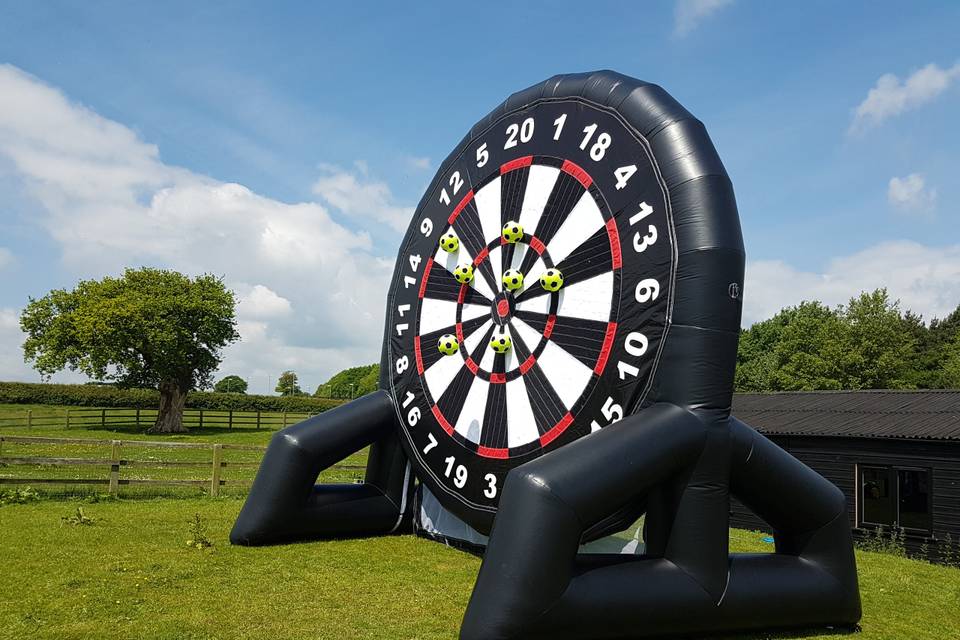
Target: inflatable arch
<point x="558" y="360"/>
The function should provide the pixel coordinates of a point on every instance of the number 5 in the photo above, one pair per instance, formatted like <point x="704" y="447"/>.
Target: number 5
<point x="482" y="155"/>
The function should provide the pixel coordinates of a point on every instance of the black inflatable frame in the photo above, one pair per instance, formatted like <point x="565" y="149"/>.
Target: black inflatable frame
<point x="678" y="459"/>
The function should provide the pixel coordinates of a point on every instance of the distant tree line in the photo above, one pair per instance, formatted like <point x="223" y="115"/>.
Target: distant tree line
<point x="869" y="343"/>
<point x="351" y="383"/>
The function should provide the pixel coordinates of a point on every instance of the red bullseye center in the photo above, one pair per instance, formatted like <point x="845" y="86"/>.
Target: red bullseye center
<point x="503" y="308"/>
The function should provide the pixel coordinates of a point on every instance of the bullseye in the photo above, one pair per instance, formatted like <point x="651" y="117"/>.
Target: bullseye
<point x="502" y="309"/>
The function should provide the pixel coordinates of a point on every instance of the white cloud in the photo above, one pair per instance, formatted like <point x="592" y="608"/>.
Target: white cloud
<point x="109" y="201"/>
<point x="688" y="14"/>
<point x="925" y="279"/>
<point x="891" y="96"/>
<point x="359" y="197"/>
<point x="12" y="366"/>
<point x="6" y="257"/>
<point x="418" y="163"/>
<point x="259" y="301"/>
<point x="911" y="194"/>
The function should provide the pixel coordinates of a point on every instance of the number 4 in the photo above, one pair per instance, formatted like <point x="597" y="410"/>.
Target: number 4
<point x="623" y="174"/>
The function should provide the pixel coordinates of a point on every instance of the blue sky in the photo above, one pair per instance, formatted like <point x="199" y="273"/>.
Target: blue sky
<point x="840" y="137"/>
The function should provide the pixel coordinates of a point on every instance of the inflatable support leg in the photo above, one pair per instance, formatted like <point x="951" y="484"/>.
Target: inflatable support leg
<point x="285" y="503"/>
<point x="532" y="584"/>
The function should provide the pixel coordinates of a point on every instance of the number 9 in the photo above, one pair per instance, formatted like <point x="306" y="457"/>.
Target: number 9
<point x="426" y="227"/>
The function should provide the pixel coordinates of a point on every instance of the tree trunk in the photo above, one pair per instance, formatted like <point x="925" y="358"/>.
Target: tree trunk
<point x="170" y="415"/>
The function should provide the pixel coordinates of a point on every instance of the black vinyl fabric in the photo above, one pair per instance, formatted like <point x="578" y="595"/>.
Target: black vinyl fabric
<point x="677" y="454"/>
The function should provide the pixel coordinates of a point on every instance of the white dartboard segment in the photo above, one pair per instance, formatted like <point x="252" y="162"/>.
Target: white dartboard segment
<point x="439" y="376"/>
<point x="522" y="425"/>
<point x="470" y="422"/>
<point x="584" y="220"/>
<point x="590" y="299"/>
<point x="487" y="200"/>
<point x="567" y="375"/>
<point x="437" y="314"/>
<point x="540" y="182"/>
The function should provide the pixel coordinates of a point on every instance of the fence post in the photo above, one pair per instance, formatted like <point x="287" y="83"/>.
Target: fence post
<point x="115" y="467"/>
<point x="67" y="425"/>
<point x="103" y="418"/>
<point x="230" y="420"/>
<point x="138" y="419"/>
<point x="201" y="418"/>
<point x="217" y="465"/>
<point x="258" y="419"/>
<point x="284" y="419"/>
<point x="29" y="418"/>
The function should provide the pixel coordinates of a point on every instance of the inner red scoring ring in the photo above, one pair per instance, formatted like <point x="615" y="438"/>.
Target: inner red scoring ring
<point x="503" y="308"/>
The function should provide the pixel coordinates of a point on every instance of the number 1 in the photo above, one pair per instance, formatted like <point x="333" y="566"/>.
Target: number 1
<point x="558" y="123"/>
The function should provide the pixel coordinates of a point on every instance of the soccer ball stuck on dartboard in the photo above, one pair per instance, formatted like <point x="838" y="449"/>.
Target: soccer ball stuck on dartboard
<point x="448" y="344"/>
<point x="551" y="280"/>
<point x="464" y="273"/>
<point x="449" y="242"/>
<point x="512" y="280"/>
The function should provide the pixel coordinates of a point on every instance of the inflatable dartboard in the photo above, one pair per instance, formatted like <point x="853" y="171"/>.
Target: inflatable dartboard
<point x="560" y="349"/>
<point x="531" y="295"/>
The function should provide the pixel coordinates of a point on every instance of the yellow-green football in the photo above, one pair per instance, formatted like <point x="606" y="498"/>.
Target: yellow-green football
<point x="464" y="273"/>
<point x="551" y="280"/>
<point x="449" y="242"/>
<point x="512" y="232"/>
<point x="512" y="279"/>
<point x="500" y="343"/>
<point x="448" y="344"/>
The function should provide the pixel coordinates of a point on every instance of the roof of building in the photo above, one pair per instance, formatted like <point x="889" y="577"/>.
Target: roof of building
<point x="928" y="415"/>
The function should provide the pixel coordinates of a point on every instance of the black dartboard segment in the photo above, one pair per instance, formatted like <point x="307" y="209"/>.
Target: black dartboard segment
<point x="584" y="187"/>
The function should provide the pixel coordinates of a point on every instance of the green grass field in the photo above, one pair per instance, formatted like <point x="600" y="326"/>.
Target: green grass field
<point x="131" y="575"/>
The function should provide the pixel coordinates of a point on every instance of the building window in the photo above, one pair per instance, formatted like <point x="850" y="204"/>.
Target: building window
<point x="891" y="496"/>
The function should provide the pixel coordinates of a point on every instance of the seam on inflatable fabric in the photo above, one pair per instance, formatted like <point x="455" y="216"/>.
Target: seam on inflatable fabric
<point x="735" y="251"/>
<point x="704" y="175"/>
<point x="403" y="497"/>
<point x="693" y="326"/>
<point x="553" y="494"/>
<point x="726" y="586"/>
<point x="690" y="117"/>
<point x="814" y="530"/>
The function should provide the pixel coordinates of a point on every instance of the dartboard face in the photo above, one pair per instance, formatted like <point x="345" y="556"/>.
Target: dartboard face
<point x="563" y="198"/>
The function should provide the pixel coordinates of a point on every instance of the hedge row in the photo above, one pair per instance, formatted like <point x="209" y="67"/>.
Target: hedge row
<point x="83" y="395"/>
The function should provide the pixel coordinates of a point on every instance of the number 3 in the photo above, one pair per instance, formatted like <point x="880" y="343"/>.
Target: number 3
<point x="491" y="490"/>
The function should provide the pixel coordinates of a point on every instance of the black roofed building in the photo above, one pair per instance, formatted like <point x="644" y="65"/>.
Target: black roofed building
<point x="895" y="454"/>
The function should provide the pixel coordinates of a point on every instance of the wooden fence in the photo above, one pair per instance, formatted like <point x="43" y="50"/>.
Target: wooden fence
<point x="115" y="462"/>
<point x="85" y="417"/>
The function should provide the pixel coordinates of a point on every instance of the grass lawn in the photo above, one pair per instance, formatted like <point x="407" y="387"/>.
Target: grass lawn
<point x="131" y="574"/>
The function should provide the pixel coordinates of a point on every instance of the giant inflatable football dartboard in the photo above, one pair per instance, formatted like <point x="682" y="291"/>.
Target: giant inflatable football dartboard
<point x="558" y="360"/>
<point x="558" y="222"/>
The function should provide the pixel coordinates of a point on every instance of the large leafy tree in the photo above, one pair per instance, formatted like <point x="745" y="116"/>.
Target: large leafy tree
<point x="288" y="384"/>
<point x="147" y="328"/>
<point x="879" y="353"/>
<point x="809" y="354"/>
<point x="231" y="384"/>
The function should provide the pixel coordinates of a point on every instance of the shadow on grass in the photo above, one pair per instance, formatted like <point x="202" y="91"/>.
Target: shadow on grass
<point x="786" y="634"/>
